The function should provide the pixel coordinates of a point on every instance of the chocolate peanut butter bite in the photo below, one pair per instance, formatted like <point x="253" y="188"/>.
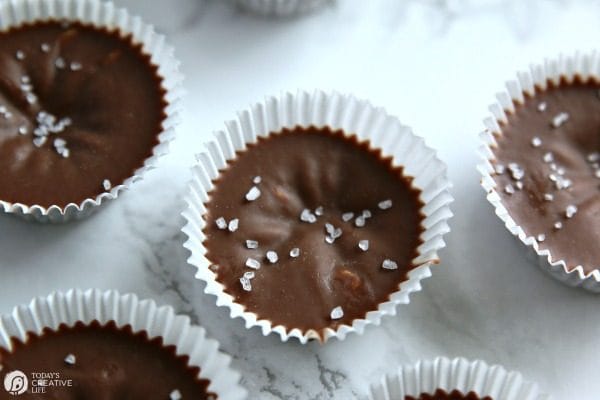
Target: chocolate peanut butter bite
<point x="102" y="362"/>
<point x="547" y="170"/>
<point x="310" y="228"/>
<point x="441" y="394"/>
<point x="81" y="108"/>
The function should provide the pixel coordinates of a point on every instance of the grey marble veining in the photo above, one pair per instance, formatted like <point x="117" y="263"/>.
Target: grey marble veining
<point x="437" y="65"/>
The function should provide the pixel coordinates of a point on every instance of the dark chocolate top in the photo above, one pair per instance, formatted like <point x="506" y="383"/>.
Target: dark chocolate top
<point x="103" y="363"/>
<point x="443" y="395"/>
<point x="548" y="170"/>
<point x="310" y="255"/>
<point x="78" y="105"/>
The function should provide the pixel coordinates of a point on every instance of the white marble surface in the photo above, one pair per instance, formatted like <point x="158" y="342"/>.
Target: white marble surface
<point x="437" y="65"/>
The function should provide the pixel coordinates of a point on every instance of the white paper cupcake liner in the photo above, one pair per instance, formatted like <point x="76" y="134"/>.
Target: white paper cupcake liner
<point x="585" y="66"/>
<point x="101" y="14"/>
<point x="336" y="111"/>
<point x="457" y="374"/>
<point x="143" y="315"/>
<point x="281" y="8"/>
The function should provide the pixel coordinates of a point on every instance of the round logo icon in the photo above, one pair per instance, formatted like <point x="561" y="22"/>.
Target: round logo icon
<point x="15" y="383"/>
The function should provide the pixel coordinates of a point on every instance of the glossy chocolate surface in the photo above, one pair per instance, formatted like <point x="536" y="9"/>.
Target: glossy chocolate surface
<point x="103" y="363"/>
<point x="309" y="178"/>
<point x="548" y="170"/>
<point x="444" y="395"/>
<point x="78" y="105"/>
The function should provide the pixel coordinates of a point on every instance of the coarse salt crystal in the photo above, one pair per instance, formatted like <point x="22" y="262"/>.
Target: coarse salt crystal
<point x="253" y="193"/>
<point x="337" y="313"/>
<point x="233" y="225"/>
<point x="252" y="263"/>
<point x="389" y="264"/>
<point x="363" y="245"/>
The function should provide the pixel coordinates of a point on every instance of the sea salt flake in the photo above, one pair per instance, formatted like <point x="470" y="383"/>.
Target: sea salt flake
<point x="256" y="180"/>
<point x="106" y="184"/>
<point x="45" y="47"/>
<point x="542" y="106"/>
<point x="385" y="204"/>
<point x="363" y="245"/>
<point x="389" y="264"/>
<point x="548" y="157"/>
<point x="570" y="211"/>
<point x="359" y="221"/>
<point x="251" y="244"/>
<point x="253" y="193"/>
<point x="39" y="141"/>
<point x="337" y="313"/>
<point x="548" y="196"/>
<point x="347" y="216"/>
<point x="20" y="55"/>
<point x="308" y="216"/>
<point x="246" y="285"/>
<point x="519" y="185"/>
<point x="175" y="395"/>
<point x="593" y="157"/>
<point x="541" y="237"/>
<point x="509" y="189"/>
<point x="70" y="359"/>
<point x="559" y="119"/>
<point x="329" y="240"/>
<point x="221" y="223"/>
<point x="272" y="256"/>
<point x="23" y="130"/>
<point x="558" y="225"/>
<point x="499" y="168"/>
<point x="366" y="214"/>
<point x="60" y="63"/>
<point x="76" y="66"/>
<point x="319" y="211"/>
<point x="536" y="141"/>
<point x="233" y="225"/>
<point x="249" y="274"/>
<point x="252" y="263"/>
<point x="295" y="252"/>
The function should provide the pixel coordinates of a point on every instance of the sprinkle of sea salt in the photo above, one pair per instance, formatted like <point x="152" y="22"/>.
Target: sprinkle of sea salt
<point x="249" y="274"/>
<point x="499" y="168"/>
<point x="272" y="256"/>
<point x="45" y="47"/>
<point x="221" y="223"/>
<point x="106" y="184"/>
<point x="70" y="359"/>
<point x="536" y="141"/>
<point x="559" y="119"/>
<point x="246" y="284"/>
<point x="385" y="204"/>
<point x="519" y="185"/>
<point x="570" y="211"/>
<point x="359" y="221"/>
<point x="252" y="263"/>
<point x="541" y="237"/>
<point x="319" y="211"/>
<point x="295" y="252"/>
<point x="175" y="395"/>
<point x="23" y="130"/>
<point x="337" y="313"/>
<point x="347" y="216"/>
<point x="548" y="196"/>
<point x="542" y="106"/>
<point x="39" y="141"/>
<point x="363" y="245"/>
<point x="233" y="225"/>
<point x="251" y="244"/>
<point x="253" y="193"/>
<point x="366" y="214"/>
<point x="389" y="264"/>
<point x="20" y="55"/>
<point x="76" y="66"/>
<point x="256" y="180"/>
<point x="509" y="189"/>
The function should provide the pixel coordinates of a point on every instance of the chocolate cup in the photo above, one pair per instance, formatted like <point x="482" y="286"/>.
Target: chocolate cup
<point x="352" y="116"/>
<point x="457" y="374"/>
<point x="553" y="70"/>
<point x="75" y="306"/>
<point x="105" y="15"/>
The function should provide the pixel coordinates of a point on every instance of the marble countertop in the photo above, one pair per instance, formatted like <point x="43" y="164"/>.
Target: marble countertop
<point x="436" y="64"/>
